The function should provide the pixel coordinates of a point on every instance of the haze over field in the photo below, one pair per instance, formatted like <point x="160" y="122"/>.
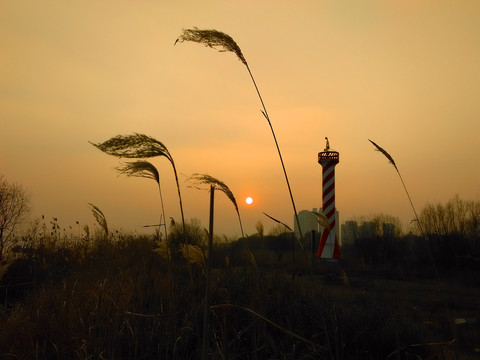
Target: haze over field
<point x="402" y="74"/>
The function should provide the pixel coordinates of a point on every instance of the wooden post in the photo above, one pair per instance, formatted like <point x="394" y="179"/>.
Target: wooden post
<point x="206" y="310"/>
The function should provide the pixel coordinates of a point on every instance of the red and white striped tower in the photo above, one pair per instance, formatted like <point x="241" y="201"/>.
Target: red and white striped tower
<point x="328" y="247"/>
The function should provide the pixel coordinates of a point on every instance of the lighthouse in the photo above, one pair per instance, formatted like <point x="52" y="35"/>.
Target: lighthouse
<point x="328" y="247"/>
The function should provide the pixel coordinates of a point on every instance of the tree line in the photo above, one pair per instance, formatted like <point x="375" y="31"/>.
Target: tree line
<point x="448" y="234"/>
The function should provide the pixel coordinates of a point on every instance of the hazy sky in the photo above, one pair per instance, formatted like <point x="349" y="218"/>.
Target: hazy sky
<point x="402" y="73"/>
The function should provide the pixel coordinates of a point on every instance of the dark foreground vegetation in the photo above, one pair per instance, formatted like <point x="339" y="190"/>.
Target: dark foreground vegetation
<point x="126" y="297"/>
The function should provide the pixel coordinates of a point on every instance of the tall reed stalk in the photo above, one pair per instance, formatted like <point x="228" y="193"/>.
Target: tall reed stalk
<point x="224" y="43"/>
<point x="391" y="161"/>
<point x="147" y="170"/>
<point x="206" y="304"/>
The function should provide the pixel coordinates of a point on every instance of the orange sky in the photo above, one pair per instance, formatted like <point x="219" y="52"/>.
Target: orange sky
<point x="406" y="76"/>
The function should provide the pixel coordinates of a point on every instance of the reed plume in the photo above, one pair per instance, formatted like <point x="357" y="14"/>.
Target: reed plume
<point x="137" y="146"/>
<point x="322" y="220"/>
<point x="224" y="43"/>
<point x="213" y="39"/>
<point x="197" y="180"/>
<point x="99" y="217"/>
<point x="145" y="169"/>
<point x="387" y="155"/>
<point x="134" y="146"/>
<point x="141" y="168"/>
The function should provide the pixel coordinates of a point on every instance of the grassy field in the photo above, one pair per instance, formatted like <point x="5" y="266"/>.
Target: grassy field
<point x="122" y="299"/>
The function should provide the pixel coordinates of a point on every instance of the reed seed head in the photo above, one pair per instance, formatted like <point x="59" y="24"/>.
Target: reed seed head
<point x="322" y="220"/>
<point x="141" y="168"/>
<point x="101" y="220"/>
<point x="384" y="152"/>
<point x="213" y="39"/>
<point x="197" y="180"/>
<point x="134" y="146"/>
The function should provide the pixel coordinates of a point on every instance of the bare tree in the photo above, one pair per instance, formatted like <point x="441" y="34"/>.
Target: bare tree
<point x="14" y="205"/>
<point x="454" y="228"/>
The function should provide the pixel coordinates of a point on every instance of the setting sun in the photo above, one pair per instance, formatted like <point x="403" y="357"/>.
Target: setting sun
<point x="249" y="200"/>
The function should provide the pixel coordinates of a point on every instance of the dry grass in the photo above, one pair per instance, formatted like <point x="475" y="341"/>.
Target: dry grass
<point x="121" y="299"/>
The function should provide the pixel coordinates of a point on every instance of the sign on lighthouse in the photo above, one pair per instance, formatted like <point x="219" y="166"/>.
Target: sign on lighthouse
<point x="328" y="247"/>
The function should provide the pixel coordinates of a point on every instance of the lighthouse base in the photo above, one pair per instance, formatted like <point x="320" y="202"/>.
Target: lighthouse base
<point x="328" y="247"/>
